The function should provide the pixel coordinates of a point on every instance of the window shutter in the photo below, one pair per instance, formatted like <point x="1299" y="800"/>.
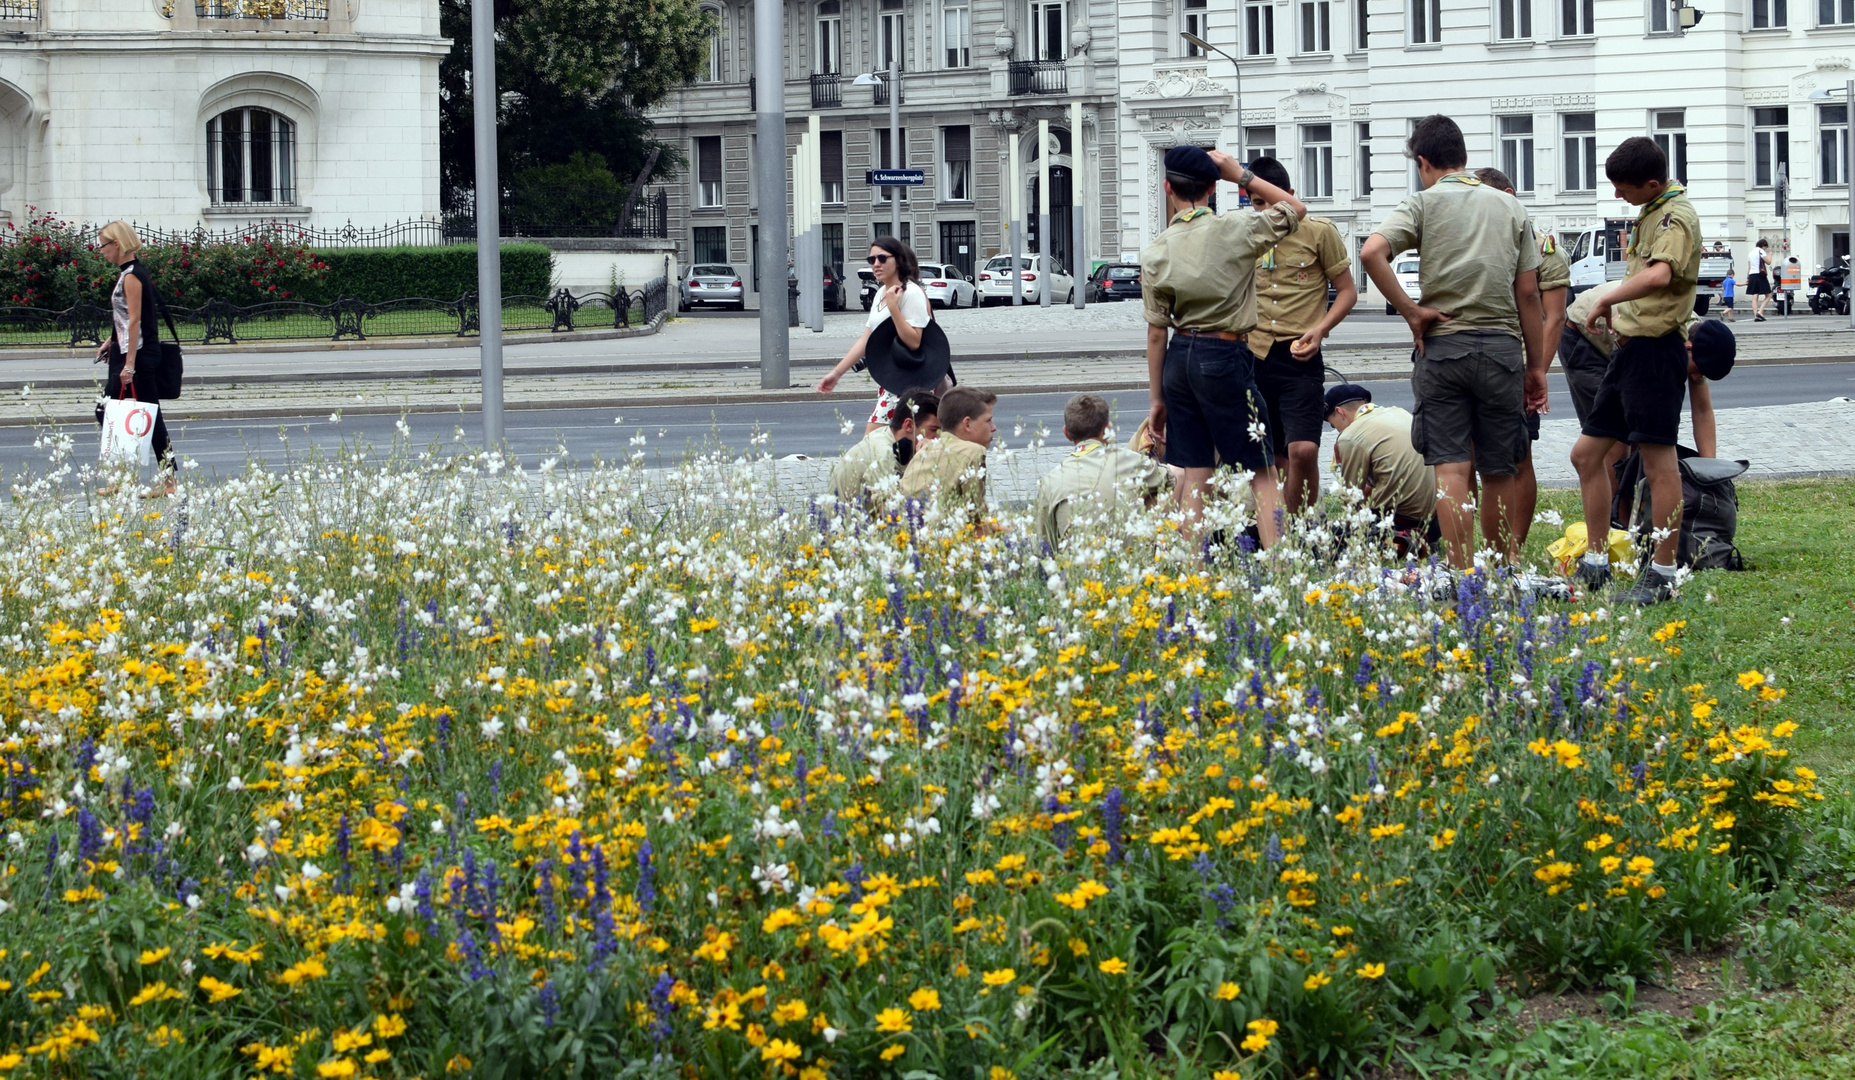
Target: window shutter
<point x="959" y="143"/>
<point x="831" y="157"/>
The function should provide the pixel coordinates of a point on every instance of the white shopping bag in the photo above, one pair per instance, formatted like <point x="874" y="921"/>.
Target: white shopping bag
<point x="129" y="432"/>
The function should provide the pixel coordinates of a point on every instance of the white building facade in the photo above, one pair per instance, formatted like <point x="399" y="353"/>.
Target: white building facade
<point x="173" y="113"/>
<point x="1543" y="89"/>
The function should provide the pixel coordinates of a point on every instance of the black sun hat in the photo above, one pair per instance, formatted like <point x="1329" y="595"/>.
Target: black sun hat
<point x="903" y="371"/>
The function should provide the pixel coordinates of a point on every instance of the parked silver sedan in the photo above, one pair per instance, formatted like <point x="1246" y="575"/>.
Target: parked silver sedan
<point x="712" y="283"/>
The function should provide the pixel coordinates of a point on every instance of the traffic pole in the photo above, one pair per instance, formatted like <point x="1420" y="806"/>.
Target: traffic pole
<point x="1078" y="256"/>
<point x="489" y="223"/>
<point x="770" y="182"/>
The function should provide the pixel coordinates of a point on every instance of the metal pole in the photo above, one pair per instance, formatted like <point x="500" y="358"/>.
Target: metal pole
<point x="489" y="223"/>
<point x="770" y="76"/>
<point x="895" y="143"/>
<point x="1017" y="220"/>
<point x="1043" y="212"/>
<point x="1850" y="91"/>
<point x="1076" y="214"/>
<point x="814" y="217"/>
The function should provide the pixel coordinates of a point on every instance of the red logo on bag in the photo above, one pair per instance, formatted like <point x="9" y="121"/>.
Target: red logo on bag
<point x="130" y="421"/>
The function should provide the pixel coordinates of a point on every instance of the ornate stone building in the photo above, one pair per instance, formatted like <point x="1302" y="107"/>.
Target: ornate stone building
<point x="176" y="112"/>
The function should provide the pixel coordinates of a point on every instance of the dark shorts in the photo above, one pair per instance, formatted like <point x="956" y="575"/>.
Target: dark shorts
<point x="1294" y="394"/>
<point x="1758" y="284"/>
<point x="1210" y="389"/>
<point x="1584" y="369"/>
<point x="1641" y="395"/>
<point x="1471" y="401"/>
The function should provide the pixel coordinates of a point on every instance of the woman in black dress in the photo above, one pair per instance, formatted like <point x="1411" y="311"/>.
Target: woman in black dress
<point x="134" y="348"/>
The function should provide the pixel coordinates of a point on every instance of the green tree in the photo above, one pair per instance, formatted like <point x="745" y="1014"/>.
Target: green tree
<point x="574" y="76"/>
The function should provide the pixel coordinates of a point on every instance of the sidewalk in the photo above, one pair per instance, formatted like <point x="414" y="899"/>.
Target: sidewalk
<point x="715" y="361"/>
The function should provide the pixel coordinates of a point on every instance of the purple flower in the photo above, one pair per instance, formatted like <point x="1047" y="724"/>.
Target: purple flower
<point x="646" y="893"/>
<point x="1113" y="815"/>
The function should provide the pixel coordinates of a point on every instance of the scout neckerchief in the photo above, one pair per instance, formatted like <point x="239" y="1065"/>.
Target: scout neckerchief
<point x="1650" y="207"/>
<point x="1459" y="178"/>
<point x="1363" y="409"/>
<point x="1087" y="446"/>
<point x="1192" y="213"/>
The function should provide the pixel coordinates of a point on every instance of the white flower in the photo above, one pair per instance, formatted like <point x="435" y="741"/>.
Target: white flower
<point x="311" y="871"/>
<point x="491" y="729"/>
<point x="830" y="1035"/>
<point x="773" y="876"/>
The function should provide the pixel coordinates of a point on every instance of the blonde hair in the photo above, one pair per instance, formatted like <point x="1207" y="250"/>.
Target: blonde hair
<point x="124" y="235"/>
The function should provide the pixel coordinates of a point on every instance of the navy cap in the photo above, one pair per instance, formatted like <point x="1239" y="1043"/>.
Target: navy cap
<point x="1343" y="393"/>
<point x="1714" y="348"/>
<point x="1192" y="163"/>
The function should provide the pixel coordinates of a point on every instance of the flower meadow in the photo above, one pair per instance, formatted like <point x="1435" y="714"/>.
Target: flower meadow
<point x="438" y="765"/>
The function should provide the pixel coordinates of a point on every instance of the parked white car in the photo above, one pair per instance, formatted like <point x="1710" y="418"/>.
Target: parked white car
<point x="995" y="280"/>
<point x="1405" y="268"/>
<point x="947" y="287"/>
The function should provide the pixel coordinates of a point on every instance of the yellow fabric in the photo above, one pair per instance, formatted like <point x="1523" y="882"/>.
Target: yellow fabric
<point x="864" y="464"/>
<point x="1571" y="547"/>
<point x="1108" y="475"/>
<point x="1200" y="273"/>
<point x="951" y="471"/>
<point x="1668" y="231"/>
<point x="1291" y="283"/>
<point x="1474" y="241"/>
<point x="1554" y="271"/>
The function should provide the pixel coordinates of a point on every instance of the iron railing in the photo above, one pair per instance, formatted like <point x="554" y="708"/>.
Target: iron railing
<point x="19" y="10"/>
<point x="261" y="9"/>
<point x="827" y="90"/>
<point x="880" y="93"/>
<point x="412" y="232"/>
<point x="534" y="213"/>
<point x="1038" y="77"/>
<point x="219" y="322"/>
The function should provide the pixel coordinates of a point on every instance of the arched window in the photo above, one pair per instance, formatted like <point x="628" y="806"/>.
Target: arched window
<point x="830" y="55"/>
<point x="251" y="157"/>
<point x="711" y="71"/>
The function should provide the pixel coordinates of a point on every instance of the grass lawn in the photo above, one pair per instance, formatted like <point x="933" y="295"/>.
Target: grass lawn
<point x="1780" y="1002"/>
<point x="421" y="321"/>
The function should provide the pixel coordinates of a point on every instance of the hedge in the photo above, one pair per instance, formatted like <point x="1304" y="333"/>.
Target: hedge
<point x="439" y="273"/>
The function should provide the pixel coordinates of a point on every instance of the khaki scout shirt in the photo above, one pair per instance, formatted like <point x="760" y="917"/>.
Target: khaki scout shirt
<point x="1098" y="471"/>
<point x="952" y="471"/>
<point x="1474" y="240"/>
<point x="864" y="464"/>
<point x="1375" y="451"/>
<point x="1554" y="271"/>
<point x="1605" y="341"/>
<point x="1200" y="273"/>
<point x="1666" y="231"/>
<point x="1291" y="283"/>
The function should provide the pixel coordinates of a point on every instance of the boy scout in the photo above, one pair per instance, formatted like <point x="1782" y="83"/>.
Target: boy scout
<point x="951" y="469"/>
<point x="1480" y="357"/>
<point x="1292" y="319"/>
<point x="1096" y="472"/>
<point x="1639" y="399"/>
<point x="1197" y="279"/>
<point x="1374" y="454"/>
<point x="1555" y="279"/>
<point x="1584" y="354"/>
<point x="864" y="465"/>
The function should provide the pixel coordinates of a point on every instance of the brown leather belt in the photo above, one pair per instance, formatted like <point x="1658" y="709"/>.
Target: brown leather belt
<point x="1221" y="335"/>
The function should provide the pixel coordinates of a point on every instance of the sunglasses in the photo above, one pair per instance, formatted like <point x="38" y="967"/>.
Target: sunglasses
<point x="877" y="260"/>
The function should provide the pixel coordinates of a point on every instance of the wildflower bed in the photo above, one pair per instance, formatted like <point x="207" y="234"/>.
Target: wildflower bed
<point x="440" y="767"/>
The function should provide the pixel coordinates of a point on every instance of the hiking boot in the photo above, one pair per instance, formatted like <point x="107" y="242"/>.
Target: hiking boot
<point x="1591" y="578"/>
<point x="1543" y="586"/>
<point x="1650" y="589"/>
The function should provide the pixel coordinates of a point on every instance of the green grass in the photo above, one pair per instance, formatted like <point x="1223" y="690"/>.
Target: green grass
<point x="306" y="327"/>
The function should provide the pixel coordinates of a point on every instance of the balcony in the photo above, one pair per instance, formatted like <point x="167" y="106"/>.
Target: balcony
<point x="882" y="94"/>
<point x="827" y="90"/>
<point x="1039" y="77"/>
<point x="261" y="9"/>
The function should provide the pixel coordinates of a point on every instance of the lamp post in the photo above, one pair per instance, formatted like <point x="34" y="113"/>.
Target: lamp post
<point x="1043" y="210"/>
<point x="1847" y="94"/>
<point x="489" y="224"/>
<point x="895" y="135"/>
<point x="1077" y="258"/>
<point x="770" y="182"/>
<point x="1201" y="43"/>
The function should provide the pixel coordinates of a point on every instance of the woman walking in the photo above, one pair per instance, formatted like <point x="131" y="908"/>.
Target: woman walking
<point x="1758" y="279"/>
<point x="899" y="299"/>
<point x="134" y="347"/>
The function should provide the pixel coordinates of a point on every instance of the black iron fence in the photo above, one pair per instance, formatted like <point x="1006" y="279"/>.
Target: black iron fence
<point x="541" y="213"/>
<point x="347" y="319"/>
<point x="1038" y="77"/>
<point x="261" y="9"/>
<point x="19" y="10"/>
<point x="411" y="232"/>
<point x="827" y="90"/>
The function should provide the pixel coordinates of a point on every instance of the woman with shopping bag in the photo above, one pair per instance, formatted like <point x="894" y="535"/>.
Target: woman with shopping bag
<point x="134" y="354"/>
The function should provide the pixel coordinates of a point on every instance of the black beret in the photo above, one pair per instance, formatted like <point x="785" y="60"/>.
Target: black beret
<point x="1192" y="163"/>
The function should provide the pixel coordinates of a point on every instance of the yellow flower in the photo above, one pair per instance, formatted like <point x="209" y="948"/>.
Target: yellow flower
<point x="1370" y="971"/>
<point x="925" y="999"/>
<point x="1749" y="679"/>
<point x="389" y="1026"/>
<point x="893" y="1051"/>
<point x="893" y="1020"/>
<point x="340" y="1067"/>
<point x="756" y="1035"/>
<point x="345" y="1041"/>
<point x="787" y="1012"/>
<point x="1078" y="947"/>
<point x="1228" y="991"/>
<point x="1315" y="981"/>
<point x="155" y="991"/>
<point x="716" y="950"/>
<point x="10" y="1061"/>
<point x="155" y="956"/>
<point x="779" y="1050"/>
<point x="217" y="991"/>
<point x="303" y="972"/>
<point x="780" y="919"/>
<point x="1114" y="965"/>
<point x="1001" y="977"/>
<point x="1641" y="864"/>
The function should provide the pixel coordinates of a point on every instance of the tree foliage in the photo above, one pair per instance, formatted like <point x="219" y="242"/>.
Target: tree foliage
<point x="573" y="76"/>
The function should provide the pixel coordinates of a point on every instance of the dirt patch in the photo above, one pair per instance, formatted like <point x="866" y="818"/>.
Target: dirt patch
<point x="1689" y="982"/>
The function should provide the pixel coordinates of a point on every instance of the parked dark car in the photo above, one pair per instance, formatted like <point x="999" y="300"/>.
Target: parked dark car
<point x="1115" y="281"/>
<point x="836" y="292"/>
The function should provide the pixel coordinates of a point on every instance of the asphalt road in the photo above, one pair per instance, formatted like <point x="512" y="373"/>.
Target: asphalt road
<point x="813" y="428"/>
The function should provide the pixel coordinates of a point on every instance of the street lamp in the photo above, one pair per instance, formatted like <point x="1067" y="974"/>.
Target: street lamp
<point x="1847" y="93"/>
<point x="872" y="78"/>
<point x="1198" y="42"/>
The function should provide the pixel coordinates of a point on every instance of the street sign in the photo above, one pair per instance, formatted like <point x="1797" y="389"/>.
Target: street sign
<point x="895" y="177"/>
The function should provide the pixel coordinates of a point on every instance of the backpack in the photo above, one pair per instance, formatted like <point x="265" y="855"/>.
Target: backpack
<point x="1709" y="509"/>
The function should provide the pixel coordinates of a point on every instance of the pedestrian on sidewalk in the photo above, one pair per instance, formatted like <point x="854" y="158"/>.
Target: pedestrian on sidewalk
<point x="134" y="347"/>
<point x="899" y="299"/>
<point x="1480" y="353"/>
<point x="1198" y="282"/>
<point x="1758" y="279"/>
<point x="1292" y="319"/>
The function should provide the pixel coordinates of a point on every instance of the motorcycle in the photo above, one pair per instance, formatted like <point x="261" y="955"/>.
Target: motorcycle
<point x="1830" y="287"/>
